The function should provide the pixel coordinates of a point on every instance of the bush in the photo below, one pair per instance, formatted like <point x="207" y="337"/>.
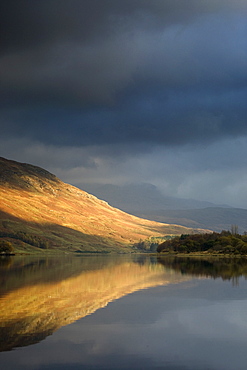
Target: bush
<point x="6" y="247"/>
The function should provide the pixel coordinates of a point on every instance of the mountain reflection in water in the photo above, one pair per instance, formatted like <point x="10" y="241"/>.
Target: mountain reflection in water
<point x="39" y="296"/>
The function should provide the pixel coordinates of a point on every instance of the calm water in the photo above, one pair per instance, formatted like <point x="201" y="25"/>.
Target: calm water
<point x="123" y="312"/>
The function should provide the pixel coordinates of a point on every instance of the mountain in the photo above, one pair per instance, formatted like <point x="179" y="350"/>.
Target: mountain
<point x="38" y="211"/>
<point x="136" y="198"/>
<point x="145" y="200"/>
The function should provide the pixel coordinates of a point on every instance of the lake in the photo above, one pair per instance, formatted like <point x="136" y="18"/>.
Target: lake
<point x="123" y="312"/>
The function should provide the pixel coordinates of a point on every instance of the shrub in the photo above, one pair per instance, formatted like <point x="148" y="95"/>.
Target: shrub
<point x="6" y="247"/>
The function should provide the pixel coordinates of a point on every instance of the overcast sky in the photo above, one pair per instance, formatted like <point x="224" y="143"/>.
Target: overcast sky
<point x="127" y="91"/>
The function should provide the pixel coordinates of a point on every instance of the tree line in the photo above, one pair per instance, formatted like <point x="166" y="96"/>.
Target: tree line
<point x="224" y="242"/>
<point x="33" y="240"/>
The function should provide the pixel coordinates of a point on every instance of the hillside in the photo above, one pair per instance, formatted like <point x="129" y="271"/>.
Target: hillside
<point x="38" y="211"/>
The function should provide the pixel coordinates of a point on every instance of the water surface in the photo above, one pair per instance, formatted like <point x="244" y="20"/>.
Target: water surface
<point x="123" y="312"/>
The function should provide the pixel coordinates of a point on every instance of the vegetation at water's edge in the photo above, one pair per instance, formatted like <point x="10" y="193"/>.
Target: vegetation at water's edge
<point x="150" y="244"/>
<point x="225" y="242"/>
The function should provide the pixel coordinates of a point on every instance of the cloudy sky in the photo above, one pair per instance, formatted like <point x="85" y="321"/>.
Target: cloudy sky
<point x="128" y="91"/>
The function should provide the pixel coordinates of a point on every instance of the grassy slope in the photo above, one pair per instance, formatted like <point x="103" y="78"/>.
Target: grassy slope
<point x="36" y="202"/>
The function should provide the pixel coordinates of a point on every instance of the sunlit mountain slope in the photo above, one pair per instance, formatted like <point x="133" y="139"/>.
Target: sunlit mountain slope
<point x="38" y="211"/>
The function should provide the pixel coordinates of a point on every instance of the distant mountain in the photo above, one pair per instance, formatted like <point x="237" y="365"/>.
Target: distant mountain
<point x="145" y="200"/>
<point x="213" y="218"/>
<point x="133" y="198"/>
<point x="38" y="211"/>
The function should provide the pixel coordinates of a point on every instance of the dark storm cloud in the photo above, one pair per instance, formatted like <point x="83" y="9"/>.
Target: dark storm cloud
<point x="99" y="72"/>
<point x="28" y="23"/>
<point x="177" y="119"/>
